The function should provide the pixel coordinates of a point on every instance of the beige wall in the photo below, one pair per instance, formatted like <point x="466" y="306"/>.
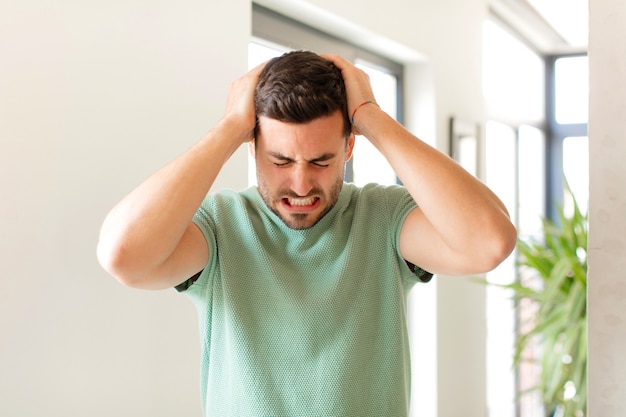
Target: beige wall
<point x="95" y="96"/>
<point x="607" y="216"/>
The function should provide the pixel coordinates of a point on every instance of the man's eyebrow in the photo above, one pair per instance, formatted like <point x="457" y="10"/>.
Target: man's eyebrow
<point x="321" y="158"/>
<point x="280" y="156"/>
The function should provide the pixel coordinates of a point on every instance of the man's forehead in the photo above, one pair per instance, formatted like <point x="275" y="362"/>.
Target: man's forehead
<point x="325" y="128"/>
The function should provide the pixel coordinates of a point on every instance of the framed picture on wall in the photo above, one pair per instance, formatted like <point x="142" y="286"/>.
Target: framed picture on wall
<point x="464" y="144"/>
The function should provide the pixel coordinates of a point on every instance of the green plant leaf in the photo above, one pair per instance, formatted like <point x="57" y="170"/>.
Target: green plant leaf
<point x="554" y="267"/>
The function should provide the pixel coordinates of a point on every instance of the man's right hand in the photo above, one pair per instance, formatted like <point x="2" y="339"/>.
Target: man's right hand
<point x="240" y="103"/>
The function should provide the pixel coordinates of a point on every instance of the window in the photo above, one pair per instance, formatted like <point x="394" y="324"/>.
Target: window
<point x="513" y="81"/>
<point x="536" y="139"/>
<point x="501" y="149"/>
<point x="571" y="89"/>
<point x="576" y="172"/>
<point x="271" y="35"/>
<point x="531" y="192"/>
<point x="513" y="78"/>
<point x="568" y="109"/>
<point x="366" y="156"/>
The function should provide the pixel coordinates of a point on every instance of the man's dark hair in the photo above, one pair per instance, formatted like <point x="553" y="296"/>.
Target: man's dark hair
<point x="299" y="87"/>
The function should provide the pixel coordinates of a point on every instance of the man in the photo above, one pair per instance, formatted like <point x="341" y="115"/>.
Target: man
<point x="303" y="279"/>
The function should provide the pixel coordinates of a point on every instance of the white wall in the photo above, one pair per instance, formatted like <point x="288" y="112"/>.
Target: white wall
<point x="95" y="96"/>
<point x="607" y="214"/>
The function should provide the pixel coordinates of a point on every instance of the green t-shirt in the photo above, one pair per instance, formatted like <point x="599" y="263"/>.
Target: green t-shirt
<point x="305" y="322"/>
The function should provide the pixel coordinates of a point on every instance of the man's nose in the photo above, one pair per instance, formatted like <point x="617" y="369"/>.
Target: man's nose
<point x="301" y="179"/>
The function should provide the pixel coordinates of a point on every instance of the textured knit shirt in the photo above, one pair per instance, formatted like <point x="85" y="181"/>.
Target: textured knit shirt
<point x="305" y="322"/>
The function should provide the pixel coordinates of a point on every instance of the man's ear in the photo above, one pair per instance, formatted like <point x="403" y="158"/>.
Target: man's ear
<point x="350" y="146"/>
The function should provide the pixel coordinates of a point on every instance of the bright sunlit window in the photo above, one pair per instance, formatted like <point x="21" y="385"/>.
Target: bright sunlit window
<point x="517" y="145"/>
<point x="571" y="79"/>
<point x="513" y="77"/>
<point x="570" y="163"/>
<point x="576" y="171"/>
<point x="531" y="180"/>
<point x="370" y="165"/>
<point x="500" y="149"/>
<point x="513" y="86"/>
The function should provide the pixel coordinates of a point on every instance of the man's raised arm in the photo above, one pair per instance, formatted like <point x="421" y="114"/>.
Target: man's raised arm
<point x="148" y="239"/>
<point x="460" y="227"/>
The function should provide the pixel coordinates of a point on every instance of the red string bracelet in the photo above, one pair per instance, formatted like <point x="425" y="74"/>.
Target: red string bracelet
<point x="359" y="106"/>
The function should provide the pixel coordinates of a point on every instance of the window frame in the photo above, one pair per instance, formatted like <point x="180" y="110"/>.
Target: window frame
<point x="555" y="135"/>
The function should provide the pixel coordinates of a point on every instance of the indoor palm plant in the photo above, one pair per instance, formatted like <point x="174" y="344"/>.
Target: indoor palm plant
<point x="553" y="279"/>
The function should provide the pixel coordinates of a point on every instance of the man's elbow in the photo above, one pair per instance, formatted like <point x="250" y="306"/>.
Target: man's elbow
<point x="115" y="261"/>
<point x="500" y="245"/>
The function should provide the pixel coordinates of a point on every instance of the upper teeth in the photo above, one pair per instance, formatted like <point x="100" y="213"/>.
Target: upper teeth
<point x="301" y="201"/>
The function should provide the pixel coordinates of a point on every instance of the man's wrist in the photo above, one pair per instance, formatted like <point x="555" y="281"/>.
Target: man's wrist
<point x="359" y="106"/>
<point x="237" y="128"/>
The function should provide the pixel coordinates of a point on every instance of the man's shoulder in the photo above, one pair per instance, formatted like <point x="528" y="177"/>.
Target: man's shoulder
<point x="228" y="197"/>
<point x="376" y="202"/>
<point x="376" y="191"/>
<point x="226" y="204"/>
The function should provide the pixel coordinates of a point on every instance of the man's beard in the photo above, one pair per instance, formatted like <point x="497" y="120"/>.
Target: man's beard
<point x="299" y="221"/>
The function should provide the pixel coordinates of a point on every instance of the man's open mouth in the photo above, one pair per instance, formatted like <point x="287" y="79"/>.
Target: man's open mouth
<point x="300" y="202"/>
